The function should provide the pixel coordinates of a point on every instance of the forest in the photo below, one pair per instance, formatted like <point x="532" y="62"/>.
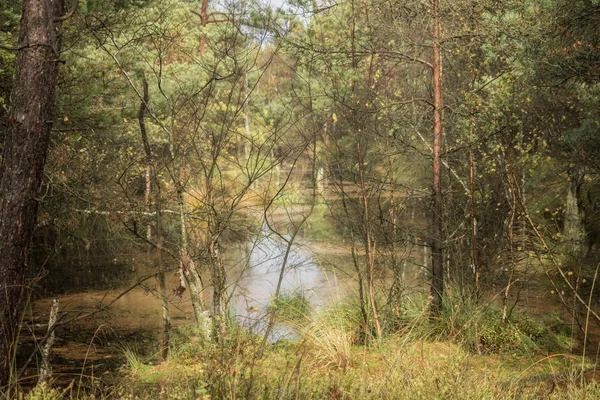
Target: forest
<point x="326" y="199"/>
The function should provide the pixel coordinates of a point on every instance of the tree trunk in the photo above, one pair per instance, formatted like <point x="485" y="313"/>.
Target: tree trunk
<point x="473" y="217"/>
<point x="245" y="141"/>
<point x="162" y="285"/>
<point x="23" y="161"/>
<point x="46" y="367"/>
<point x="160" y="266"/>
<point x="573" y="232"/>
<point x="437" y="258"/>
<point x="204" y="13"/>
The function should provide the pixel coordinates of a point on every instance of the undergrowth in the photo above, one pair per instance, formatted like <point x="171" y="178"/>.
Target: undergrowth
<point x="466" y="353"/>
<point x="481" y="328"/>
<point x="294" y="306"/>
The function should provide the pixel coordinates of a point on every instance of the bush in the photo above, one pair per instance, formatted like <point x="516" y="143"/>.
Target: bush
<point x="291" y="307"/>
<point x="480" y="328"/>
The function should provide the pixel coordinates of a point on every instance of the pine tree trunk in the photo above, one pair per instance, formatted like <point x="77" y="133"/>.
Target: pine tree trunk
<point x="23" y="161"/>
<point x="437" y="258"/>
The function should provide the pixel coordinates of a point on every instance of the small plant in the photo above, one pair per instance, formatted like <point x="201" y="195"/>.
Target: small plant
<point x="45" y="392"/>
<point x="332" y="334"/>
<point x="133" y="360"/>
<point x="479" y="327"/>
<point x="290" y="307"/>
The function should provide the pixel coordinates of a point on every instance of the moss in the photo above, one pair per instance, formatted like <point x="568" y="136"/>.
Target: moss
<point x="327" y="363"/>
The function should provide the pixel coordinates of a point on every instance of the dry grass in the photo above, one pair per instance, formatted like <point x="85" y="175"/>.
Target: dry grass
<point x="329" y="362"/>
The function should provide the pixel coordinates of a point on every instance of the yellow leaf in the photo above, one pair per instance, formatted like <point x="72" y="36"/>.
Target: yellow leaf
<point x="65" y="118"/>
<point x="335" y="118"/>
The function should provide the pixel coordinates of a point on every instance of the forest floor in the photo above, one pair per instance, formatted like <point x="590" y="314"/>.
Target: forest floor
<point x="468" y="353"/>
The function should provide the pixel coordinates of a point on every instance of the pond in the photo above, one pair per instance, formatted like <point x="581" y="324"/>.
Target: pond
<point x="86" y="284"/>
<point x="297" y="274"/>
<point x="96" y="343"/>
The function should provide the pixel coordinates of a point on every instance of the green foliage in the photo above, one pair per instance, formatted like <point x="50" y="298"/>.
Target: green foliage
<point x="9" y="25"/>
<point x="45" y="392"/>
<point x="104" y="6"/>
<point x="292" y="307"/>
<point x="231" y="101"/>
<point x="327" y="362"/>
<point x="481" y="329"/>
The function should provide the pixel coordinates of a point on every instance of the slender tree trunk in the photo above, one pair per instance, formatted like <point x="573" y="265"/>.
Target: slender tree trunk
<point x="437" y="257"/>
<point x="23" y="160"/>
<point x="203" y="23"/>
<point x="151" y="176"/>
<point x="219" y="279"/>
<point x="46" y="367"/>
<point x="245" y="141"/>
<point x="149" y="173"/>
<point x="148" y="203"/>
<point x="368" y="241"/>
<point x="473" y="216"/>
<point x="189" y="274"/>
<point x="510" y="232"/>
<point x="573" y="232"/>
<point x="162" y="286"/>
<point x="355" y="261"/>
<point x="204" y="13"/>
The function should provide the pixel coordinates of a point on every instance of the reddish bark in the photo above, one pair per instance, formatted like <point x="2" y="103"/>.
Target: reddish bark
<point x="204" y="13"/>
<point x="437" y="258"/>
<point x="23" y="160"/>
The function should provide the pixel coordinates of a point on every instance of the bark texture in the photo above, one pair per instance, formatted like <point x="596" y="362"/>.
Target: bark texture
<point x="437" y="258"/>
<point x="23" y="161"/>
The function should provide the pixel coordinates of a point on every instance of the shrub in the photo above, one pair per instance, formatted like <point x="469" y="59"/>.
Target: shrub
<point x="290" y="307"/>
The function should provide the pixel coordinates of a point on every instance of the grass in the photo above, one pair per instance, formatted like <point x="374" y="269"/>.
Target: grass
<point x="291" y="307"/>
<point x="425" y="359"/>
<point x="468" y="353"/>
<point x="392" y="369"/>
<point x="481" y="329"/>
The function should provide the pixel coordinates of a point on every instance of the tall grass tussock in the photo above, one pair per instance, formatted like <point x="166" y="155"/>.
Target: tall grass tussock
<point x="467" y="353"/>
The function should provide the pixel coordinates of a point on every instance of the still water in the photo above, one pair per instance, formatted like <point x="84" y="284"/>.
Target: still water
<point x="268" y="268"/>
<point x="86" y="284"/>
<point x="254" y="270"/>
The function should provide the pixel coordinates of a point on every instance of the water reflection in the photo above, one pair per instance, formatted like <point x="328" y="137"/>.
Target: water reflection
<point x="88" y="282"/>
<point x="257" y="284"/>
<point x="91" y="273"/>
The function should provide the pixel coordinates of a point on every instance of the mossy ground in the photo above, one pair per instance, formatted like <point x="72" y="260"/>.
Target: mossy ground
<point x="391" y="369"/>
<point x="469" y="354"/>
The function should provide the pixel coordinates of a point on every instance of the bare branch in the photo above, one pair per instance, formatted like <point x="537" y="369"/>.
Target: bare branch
<point x="8" y="48"/>
<point x="407" y="57"/>
<point x="69" y="14"/>
<point x="445" y="163"/>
